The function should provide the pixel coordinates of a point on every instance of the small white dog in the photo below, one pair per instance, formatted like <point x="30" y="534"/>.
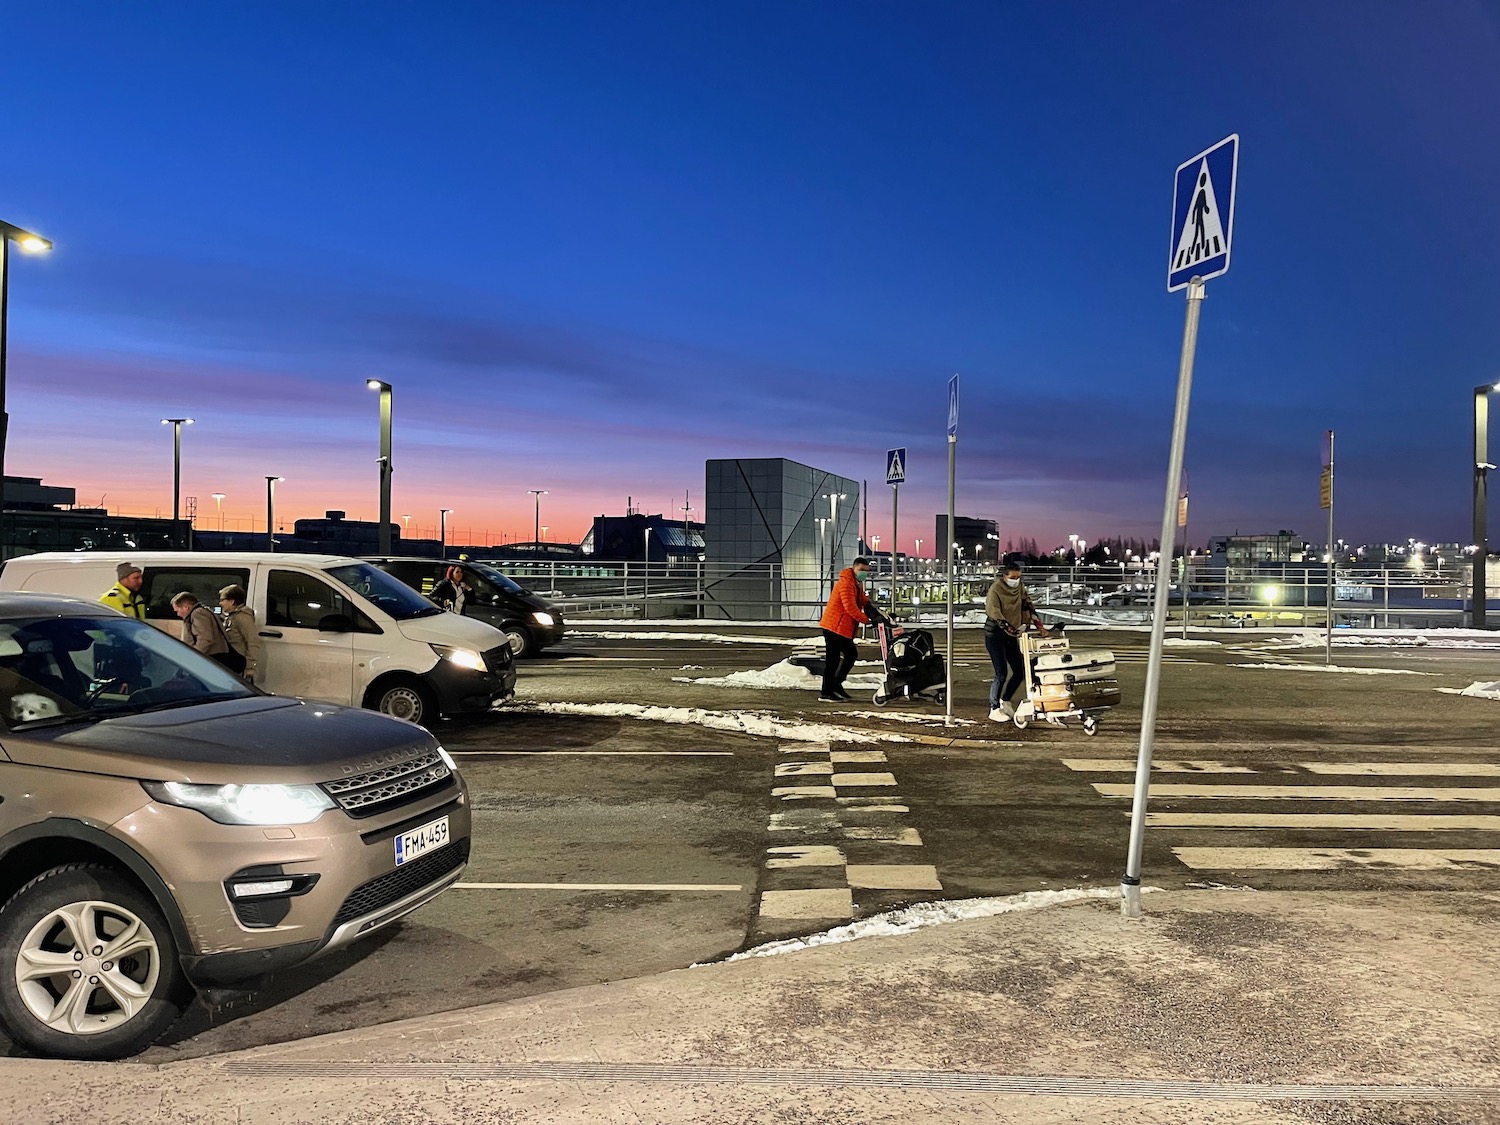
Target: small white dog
<point x="25" y="708"/>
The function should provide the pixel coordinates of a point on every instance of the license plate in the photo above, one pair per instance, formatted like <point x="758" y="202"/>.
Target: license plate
<point x="419" y="841"/>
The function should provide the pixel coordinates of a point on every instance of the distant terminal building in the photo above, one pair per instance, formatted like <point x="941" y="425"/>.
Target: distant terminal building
<point x="777" y="533"/>
<point x="636" y="536"/>
<point x="1249" y="550"/>
<point x="976" y="540"/>
<point x="43" y="517"/>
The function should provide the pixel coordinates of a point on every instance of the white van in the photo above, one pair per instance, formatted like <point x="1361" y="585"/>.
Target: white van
<point x="331" y="628"/>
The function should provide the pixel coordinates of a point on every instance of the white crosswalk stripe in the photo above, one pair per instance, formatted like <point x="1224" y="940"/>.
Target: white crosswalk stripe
<point x="1258" y="779"/>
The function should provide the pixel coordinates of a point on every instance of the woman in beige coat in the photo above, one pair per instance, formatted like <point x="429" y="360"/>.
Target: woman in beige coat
<point x="241" y="628"/>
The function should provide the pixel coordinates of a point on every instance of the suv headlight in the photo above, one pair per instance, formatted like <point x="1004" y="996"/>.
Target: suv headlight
<point x="463" y="657"/>
<point x="246" y="804"/>
<point x="542" y="619"/>
<point x="448" y="761"/>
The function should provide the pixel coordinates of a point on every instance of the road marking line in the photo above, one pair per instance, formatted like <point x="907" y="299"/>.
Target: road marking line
<point x="854" y="757"/>
<point x="1303" y="792"/>
<point x="598" y="886"/>
<point x="894" y="877"/>
<point x="803" y="769"/>
<point x="906" y="837"/>
<point x="1334" y="859"/>
<point x="804" y="820"/>
<point x="1332" y="769"/>
<point x="593" y="753"/>
<point x="1416" y="822"/>
<point x="855" y="780"/>
<point x="872" y="804"/>
<point x="803" y="792"/>
<point x="829" y="903"/>
<point x="809" y="855"/>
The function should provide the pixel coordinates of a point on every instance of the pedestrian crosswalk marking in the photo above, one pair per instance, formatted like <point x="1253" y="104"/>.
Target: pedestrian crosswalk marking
<point x="1337" y="769"/>
<point x="1304" y="792"/>
<point x="1335" y="859"/>
<point x="1369" y="822"/>
<point x="1202" y="232"/>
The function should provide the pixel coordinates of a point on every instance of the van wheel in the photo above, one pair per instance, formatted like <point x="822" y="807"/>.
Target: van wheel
<point x="520" y="640"/>
<point x="404" y="699"/>
<point x="88" y="966"/>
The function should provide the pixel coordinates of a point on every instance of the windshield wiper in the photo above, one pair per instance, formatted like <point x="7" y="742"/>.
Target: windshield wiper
<point x="217" y="697"/>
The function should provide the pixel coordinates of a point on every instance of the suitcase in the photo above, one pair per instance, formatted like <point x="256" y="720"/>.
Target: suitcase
<point x="1080" y="664"/>
<point x="1081" y="695"/>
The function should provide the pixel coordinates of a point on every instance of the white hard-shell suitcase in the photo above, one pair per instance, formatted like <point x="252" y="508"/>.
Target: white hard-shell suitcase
<point x="1075" y="664"/>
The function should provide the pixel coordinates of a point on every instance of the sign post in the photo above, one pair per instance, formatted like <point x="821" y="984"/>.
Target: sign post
<point x="895" y="476"/>
<point x="1327" y="501"/>
<point x="1187" y="574"/>
<point x="952" y="517"/>
<point x="1202" y="227"/>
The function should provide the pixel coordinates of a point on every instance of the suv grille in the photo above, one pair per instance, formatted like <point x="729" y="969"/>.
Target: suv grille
<point x="498" y="659"/>
<point x="366" y="794"/>
<point x="404" y="880"/>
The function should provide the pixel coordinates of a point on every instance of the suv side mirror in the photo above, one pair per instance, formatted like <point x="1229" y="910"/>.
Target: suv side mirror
<point x="336" y="623"/>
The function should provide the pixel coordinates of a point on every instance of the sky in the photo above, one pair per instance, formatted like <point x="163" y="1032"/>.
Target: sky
<point x="593" y="244"/>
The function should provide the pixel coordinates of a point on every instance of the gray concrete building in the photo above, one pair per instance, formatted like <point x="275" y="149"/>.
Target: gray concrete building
<point x="777" y="534"/>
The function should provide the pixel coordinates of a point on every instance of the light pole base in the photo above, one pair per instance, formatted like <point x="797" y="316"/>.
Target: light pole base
<point x="1130" y="899"/>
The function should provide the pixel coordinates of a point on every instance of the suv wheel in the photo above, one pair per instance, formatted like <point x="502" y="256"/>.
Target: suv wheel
<point x="520" y="640"/>
<point x="88" y="966"/>
<point x="405" y="699"/>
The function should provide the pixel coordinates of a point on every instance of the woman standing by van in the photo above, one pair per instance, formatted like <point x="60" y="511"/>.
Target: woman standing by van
<point x="240" y="628"/>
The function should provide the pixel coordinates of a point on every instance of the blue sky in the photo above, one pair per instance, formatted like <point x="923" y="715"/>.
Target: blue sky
<point x="593" y="244"/>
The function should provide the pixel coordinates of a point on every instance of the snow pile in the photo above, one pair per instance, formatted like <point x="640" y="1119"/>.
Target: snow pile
<point x="742" y="722"/>
<point x="1481" y="690"/>
<point x="1401" y="638"/>
<point x="781" y="675"/>
<point x="1337" y="668"/>
<point x="713" y="638"/>
<point x="925" y="914"/>
<point x="908" y="717"/>
<point x="1189" y="642"/>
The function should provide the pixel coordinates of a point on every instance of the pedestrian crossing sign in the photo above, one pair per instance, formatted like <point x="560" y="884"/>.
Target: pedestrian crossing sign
<point x="1203" y="214"/>
<point x="895" y="466"/>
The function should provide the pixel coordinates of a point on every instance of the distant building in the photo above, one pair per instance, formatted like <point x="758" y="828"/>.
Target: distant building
<point x="630" y="538"/>
<point x="1249" y="550"/>
<point x="769" y="556"/>
<point x="39" y="517"/>
<point x="336" y="535"/>
<point x="976" y="538"/>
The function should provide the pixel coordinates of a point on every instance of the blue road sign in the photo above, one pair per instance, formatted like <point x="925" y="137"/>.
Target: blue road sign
<point x="953" y="406"/>
<point x="1203" y="214"/>
<point x="895" y="466"/>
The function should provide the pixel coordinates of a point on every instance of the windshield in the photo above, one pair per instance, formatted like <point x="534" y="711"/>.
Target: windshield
<point x="377" y="587"/>
<point x="506" y="584"/>
<point x="56" y="670"/>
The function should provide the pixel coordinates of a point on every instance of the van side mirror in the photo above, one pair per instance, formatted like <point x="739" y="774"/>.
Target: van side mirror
<point x="336" y="623"/>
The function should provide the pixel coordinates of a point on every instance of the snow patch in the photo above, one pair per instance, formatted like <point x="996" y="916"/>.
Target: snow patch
<point x="908" y="717"/>
<point x="742" y="722"/>
<point x="1189" y="642"/>
<point x="925" y="914"/>
<point x="1477" y="690"/>
<point x="1478" y="639"/>
<point x="784" y="674"/>
<point x="1337" y="668"/>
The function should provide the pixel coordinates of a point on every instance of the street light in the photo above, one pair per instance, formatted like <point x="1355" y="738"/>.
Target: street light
<point x="219" y="506"/>
<point x="385" y="462"/>
<point x="271" y="512"/>
<point x="32" y="244"/>
<point x="1481" y="497"/>
<point x="443" y="530"/>
<point x="833" y="499"/>
<point x="176" y="424"/>
<point x="407" y="521"/>
<point x="544" y="532"/>
<point x="536" y="532"/>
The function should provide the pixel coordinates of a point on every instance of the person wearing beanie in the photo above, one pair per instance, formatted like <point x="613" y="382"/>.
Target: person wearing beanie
<point x="125" y="594"/>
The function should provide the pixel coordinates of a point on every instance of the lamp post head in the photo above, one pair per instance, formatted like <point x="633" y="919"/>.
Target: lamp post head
<point x="31" y="243"/>
<point x="216" y="495"/>
<point x="377" y="385"/>
<point x="177" y="421"/>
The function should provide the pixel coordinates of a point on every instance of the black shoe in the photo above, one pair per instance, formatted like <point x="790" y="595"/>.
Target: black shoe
<point x="845" y="696"/>
<point x="826" y="698"/>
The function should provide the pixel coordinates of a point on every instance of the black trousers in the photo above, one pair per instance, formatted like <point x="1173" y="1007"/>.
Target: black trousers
<point x="839" y="655"/>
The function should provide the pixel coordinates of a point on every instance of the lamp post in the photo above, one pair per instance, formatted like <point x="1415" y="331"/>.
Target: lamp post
<point x="1481" y="498"/>
<point x="385" y="462"/>
<point x="32" y="244"/>
<point x="443" y="530"/>
<point x="406" y="520"/>
<point x="219" y="507"/>
<point x="271" y="512"/>
<point x="176" y="424"/>
<point x="833" y="499"/>
<point x="537" y="494"/>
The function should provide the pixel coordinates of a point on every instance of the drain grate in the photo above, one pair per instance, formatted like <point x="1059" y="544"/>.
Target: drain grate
<point x="1055" y="1085"/>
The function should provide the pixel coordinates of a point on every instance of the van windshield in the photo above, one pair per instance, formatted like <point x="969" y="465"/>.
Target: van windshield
<point x="59" y="670"/>
<point x="392" y="597"/>
<point x="510" y="586"/>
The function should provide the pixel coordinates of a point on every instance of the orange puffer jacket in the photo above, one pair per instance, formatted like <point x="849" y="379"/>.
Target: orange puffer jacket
<point x="847" y="606"/>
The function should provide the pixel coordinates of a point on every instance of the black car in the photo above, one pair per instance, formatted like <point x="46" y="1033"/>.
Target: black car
<point x="529" y="621"/>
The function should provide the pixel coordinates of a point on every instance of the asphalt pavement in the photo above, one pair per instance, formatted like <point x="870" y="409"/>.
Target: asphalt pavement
<point x="609" y="848"/>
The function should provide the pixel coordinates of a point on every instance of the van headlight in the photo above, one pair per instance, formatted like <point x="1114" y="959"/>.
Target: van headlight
<point x="246" y="804"/>
<point x="463" y="657"/>
<point x="542" y="619"/>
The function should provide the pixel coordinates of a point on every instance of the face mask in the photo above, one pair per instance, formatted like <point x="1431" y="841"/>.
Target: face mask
<point x="1012" y="582"/>
<point x="862" y="575"/>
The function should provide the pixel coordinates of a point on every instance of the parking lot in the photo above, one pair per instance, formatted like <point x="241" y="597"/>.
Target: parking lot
<point x="609" y="846"/>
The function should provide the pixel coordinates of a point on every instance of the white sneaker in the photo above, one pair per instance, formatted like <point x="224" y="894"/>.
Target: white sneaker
<point x="1003" y="713"/>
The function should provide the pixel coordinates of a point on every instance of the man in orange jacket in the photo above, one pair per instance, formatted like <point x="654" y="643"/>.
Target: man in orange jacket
<point x="848" y="606"/>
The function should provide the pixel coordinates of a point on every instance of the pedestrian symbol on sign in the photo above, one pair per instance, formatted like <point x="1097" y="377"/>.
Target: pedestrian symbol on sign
<point x="1203" y="233"/>
<point x="895" y="466"/>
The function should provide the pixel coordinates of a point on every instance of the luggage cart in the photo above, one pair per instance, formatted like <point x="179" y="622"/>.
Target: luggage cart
<point x="1063" y="683"/>
<point x="913" y="667"/>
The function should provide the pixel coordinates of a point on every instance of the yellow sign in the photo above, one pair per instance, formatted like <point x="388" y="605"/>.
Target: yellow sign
<point x="1182" y="512"/>
<point x="1327" y="489"/>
